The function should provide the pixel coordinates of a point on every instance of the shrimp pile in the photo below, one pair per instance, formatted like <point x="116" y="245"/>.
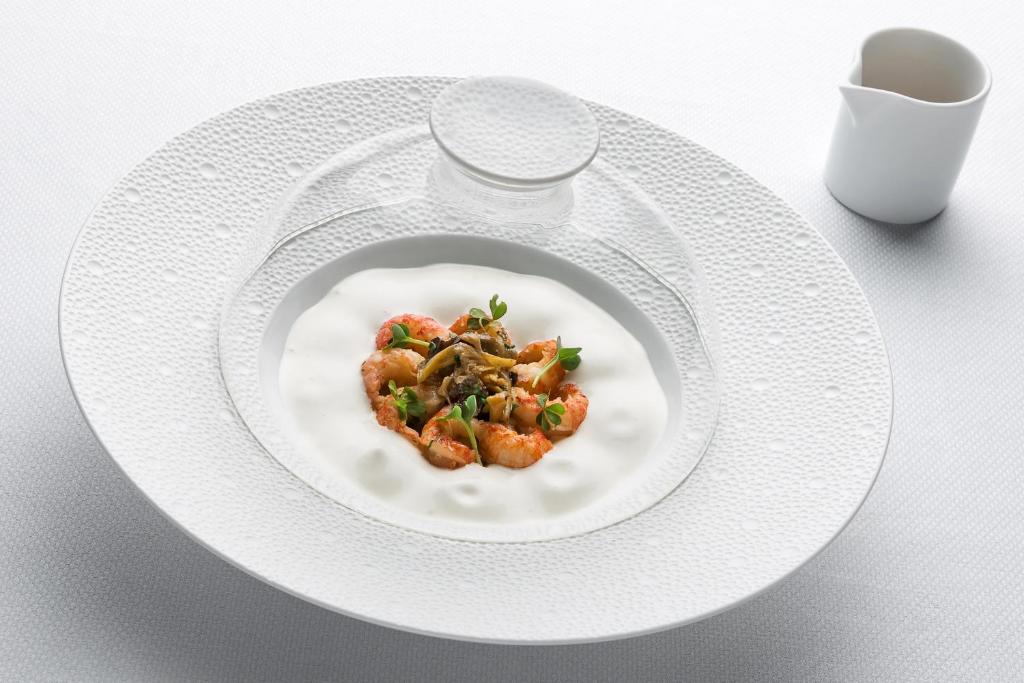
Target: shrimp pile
<point x="464" y="394"/>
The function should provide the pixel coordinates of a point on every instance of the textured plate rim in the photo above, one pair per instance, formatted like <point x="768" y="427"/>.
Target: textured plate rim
<point x="853" y="510"/>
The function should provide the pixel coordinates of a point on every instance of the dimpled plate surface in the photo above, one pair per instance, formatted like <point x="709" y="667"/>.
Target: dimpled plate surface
<point x="804" y="424"/>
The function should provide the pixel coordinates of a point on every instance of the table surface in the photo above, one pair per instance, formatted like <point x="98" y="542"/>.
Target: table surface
<point x="927" y="581"/>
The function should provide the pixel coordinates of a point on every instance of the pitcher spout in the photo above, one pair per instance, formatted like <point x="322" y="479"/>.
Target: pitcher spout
<point x="860" y="101"/>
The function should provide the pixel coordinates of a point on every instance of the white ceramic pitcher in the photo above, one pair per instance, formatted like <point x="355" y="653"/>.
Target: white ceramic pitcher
<point x="910" y="107"/>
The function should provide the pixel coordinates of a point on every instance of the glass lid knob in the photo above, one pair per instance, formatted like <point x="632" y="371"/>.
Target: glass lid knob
<point x="514" y="132"/>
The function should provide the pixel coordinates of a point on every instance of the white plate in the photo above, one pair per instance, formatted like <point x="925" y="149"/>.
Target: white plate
<point x="805" y="414"/>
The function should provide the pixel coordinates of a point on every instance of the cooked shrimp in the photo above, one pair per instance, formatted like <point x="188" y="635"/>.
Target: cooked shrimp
<point x="387" y="416"/>
<point x="527" y="408"/>
<point x="421" y="327"/>
<point x="444" y="444"/>
<point x="576" y="405"/>
<point x="531" y="360"/>
<point x="461" y="324"/>
<point x="502" y="445"/>
<point x="390" y="364"/>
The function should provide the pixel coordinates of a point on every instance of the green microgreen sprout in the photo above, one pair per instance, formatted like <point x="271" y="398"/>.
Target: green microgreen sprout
<point x="550" y="415"/>
<point x="569" y="358"/>
<point x="406" y="402"/>
<point x="478" y="318"/>
<point x="400" y="338"/>
<point x="498" y="308"/>
<point x="463" y="413"/>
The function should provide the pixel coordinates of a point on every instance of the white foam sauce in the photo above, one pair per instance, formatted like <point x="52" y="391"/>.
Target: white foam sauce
<point x="330" y="417"/>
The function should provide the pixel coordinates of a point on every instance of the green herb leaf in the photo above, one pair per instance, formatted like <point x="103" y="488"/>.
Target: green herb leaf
<point x="470" y="405"/>
<point x="399" y="401"/>
<point x="550" y="414"/>
<point x="406" y="402"/>
<point x="568" y="357"/>
<point x="454" y="414"/>
<point x="413" y="405"/>
<point x="478" y="318"/>
<point x="565" y="354"/>
<point x="400" y="338"/>
<point x="498" y="308"/>
<point x="571" y="363"/>
<point x="463" y="413"/>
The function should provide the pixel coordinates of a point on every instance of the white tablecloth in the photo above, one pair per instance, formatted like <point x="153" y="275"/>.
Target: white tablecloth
<point x="928" y="580"/>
